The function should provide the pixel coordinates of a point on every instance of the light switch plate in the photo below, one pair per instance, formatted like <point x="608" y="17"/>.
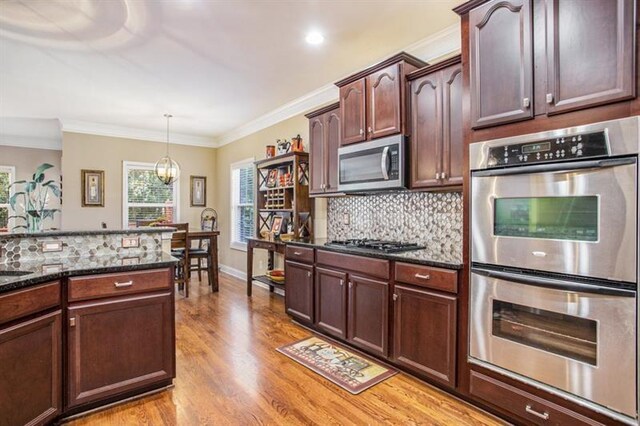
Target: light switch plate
<point x="51" y="246"/>
<point x="130" y="242"/>
<point x="128" y="261"/>
<point x="52" y="268"/>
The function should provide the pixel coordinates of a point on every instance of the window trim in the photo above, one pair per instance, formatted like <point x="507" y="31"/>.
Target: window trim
<point x="126" y="166"/>
<point x="12" y="178"/>
<point x="238" y="245"/>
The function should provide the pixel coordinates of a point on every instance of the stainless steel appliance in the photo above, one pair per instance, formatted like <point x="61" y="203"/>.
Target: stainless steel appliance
<point x="372" y="166"/>
<point x="375" y="245"/>
<point x="554" y="250"/>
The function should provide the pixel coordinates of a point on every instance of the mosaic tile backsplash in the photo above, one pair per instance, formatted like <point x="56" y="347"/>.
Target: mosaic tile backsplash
<point x="74" y="246"/>
<point x="432" y="219"/>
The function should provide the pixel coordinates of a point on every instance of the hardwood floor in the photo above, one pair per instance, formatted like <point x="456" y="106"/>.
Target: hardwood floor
<point x="228" y="372"/>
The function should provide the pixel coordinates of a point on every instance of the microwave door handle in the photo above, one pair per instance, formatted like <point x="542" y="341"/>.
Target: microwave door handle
<point x="384" y="163"/>
<point x="556" y="167"/>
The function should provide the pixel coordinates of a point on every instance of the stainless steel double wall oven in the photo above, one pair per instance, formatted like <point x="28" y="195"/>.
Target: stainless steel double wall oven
<point x="554" y="250"/>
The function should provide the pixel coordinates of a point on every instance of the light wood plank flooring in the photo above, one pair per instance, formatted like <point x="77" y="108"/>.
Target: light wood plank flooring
<point x="228" y="372"/>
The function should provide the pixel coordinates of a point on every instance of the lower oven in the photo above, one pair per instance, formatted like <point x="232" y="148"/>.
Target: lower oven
<point x="561" y="335"/>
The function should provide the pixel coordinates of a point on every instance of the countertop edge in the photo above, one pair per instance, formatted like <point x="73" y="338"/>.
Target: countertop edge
<point x="142" y="230"/>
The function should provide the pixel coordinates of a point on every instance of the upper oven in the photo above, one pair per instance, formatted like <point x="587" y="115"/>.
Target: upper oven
<point x="375" y="165"/>
<point x="560" y="202"/>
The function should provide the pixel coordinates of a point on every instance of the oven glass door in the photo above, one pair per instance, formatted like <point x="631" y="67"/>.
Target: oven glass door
<point x="580" y="343"/>
<point x="579" y="222"/>
<point x="370" y="165"/>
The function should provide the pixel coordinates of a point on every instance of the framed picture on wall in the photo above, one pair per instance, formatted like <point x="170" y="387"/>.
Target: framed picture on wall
<point x="198" y="191"/>
<point x="92" y="188"/>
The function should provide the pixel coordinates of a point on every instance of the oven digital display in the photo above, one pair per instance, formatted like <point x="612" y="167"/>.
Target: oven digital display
<point x="536" y="147"/>
<point x="556" y="218"/>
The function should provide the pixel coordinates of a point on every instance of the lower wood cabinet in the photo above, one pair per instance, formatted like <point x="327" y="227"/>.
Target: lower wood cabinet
<point x="118" y="345"/>
<point x="425" y="333"/>
<point x="331" y="302"/>
<point x="31" y="363"/>
<point x="368" y="308"/>
<point x="298" y="298"/>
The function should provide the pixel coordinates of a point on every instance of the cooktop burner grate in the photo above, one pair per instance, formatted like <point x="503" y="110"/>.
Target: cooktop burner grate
<point x="376" y="245"/>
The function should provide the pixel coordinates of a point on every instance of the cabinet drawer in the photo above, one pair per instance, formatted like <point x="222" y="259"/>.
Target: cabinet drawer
<point x="365" y="265"/>
<point x="21" y="303"/>
<point x="427" y="277"/>
<point x="107" y="285"/>
<point x="523" y="404"/>
<point x="299" y="254"/>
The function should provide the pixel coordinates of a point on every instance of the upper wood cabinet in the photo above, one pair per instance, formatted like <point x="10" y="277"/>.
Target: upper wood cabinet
<point x="501" y="62"/>
<point x="590" y="53"/>
<point x="373" y="101"/>
<point x="436" y="121"/>
<point x="324" y="135"/>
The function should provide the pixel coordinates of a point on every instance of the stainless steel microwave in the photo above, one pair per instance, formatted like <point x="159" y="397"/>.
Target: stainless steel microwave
<point x="372" y="166"/>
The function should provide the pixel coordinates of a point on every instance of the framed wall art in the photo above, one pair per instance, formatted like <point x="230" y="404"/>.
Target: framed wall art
<point x="198" y="191"/>
<point x="92" y="188"/>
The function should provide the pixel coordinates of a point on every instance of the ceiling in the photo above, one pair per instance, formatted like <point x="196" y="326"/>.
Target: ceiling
<point x="214" y="65"/>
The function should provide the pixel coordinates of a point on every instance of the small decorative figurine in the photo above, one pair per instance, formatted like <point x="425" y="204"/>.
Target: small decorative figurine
<point x="271" y="151"/>
<point x="283" y="147"/>
<point x="296" y="144"/>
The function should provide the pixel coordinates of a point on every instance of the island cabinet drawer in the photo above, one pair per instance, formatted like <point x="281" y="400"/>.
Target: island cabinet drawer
<point x="300" y="254"/>
<point x="427" y="277"/>
<point x="109" y="285"/>
<point x="533" y="409"/>
<point x="21" y="303"/>
<point x="347" y="262"/>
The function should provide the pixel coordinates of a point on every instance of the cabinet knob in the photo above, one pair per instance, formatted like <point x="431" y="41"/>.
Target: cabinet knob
<point x="341" y="282"/>
<point x="526" y="102"/>
<point x="370" y="130"/>
<point x="437" y="176"/>
<point x="72" y="322"/>
<point x="549" y="98"/>
<point x="350" y="284"/>
<point x="443" y="175"/>
<point x="361" y="132"/>
<point x="309" y="274"/>
<point x="395" y="297"/>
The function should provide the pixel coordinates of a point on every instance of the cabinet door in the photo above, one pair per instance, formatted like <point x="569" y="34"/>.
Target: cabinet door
<point x="331" y="150"/>
<point x="590" y="58"/>
<point x="426" y="122"/>
<point x="317" y="154"/>
<point x="118" y="345"/>
<point x="368" y="314"/>
<point x="31" y="362"/>
<point x="383" y="98"/>
<point x="425" y="333"/>
<point x="298" y="296"/>
<point x="331" y="302"/>
<point x="501" y="62"/>
<point x="352" y="112"/>
<point x="452" y="137"/>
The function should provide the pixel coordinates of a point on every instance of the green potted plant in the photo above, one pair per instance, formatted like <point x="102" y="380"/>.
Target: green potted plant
<point x="29" y="204"/>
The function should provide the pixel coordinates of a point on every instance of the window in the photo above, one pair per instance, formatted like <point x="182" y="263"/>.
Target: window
<point x="242" y="223"/>
<point x="145" y="197"/>
<point x="7" y="175"/>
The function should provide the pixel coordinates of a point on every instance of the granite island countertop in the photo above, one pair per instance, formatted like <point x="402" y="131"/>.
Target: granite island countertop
<point x="17" y="275"/>
<point x="85" y="232"/>
<point x="430" y="256"/>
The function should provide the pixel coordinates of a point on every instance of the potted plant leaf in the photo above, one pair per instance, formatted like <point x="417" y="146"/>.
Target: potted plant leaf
<point x="29" y="203"/>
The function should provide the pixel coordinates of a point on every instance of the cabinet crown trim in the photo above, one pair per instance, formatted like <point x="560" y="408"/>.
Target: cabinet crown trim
<point x="322" y="110"/>
<point x="402" y="56"/>
<point x="465" y="8"/>
<point x="435" y="67"/>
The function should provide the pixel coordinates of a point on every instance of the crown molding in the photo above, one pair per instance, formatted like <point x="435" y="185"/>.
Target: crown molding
<point x="443" y="43"/>
<point x="109" y="130"/>
<point x="36" y="133"/>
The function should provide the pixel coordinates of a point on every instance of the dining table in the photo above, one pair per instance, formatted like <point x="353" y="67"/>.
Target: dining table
<point x="212" y="253"/>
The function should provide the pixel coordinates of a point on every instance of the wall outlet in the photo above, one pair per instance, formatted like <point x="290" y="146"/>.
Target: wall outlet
<point x="51" y="246"/>
<point x="130" y="242"/>
<point x="346" y="218"/>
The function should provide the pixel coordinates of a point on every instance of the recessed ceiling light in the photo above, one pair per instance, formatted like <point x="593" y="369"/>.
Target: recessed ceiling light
<point x="314" y="37"/>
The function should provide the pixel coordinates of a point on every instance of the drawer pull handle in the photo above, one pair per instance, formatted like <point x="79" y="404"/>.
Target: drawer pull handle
<point x="125" y="284"/>
<point x="544" y="415"/>
<point x="297" y="253"/>
<point x="423" y="277"/>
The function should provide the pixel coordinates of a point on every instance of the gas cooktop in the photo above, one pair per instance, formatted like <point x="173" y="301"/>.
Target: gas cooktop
<point x="375" y="245"/>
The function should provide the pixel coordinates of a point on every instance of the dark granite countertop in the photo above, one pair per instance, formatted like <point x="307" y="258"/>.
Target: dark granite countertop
<point x="83" y="232"/>
<point x="429" y="256"/>
<point x="18" y="275"/>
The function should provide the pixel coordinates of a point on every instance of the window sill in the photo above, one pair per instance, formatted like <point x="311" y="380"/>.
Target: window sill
<point x="238" y="246"/>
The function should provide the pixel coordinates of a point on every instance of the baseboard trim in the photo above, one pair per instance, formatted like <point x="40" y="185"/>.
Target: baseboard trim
<point x="237" y="273"/>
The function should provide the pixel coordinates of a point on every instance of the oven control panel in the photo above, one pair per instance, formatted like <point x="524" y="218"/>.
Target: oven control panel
<point x="563" y="148"/>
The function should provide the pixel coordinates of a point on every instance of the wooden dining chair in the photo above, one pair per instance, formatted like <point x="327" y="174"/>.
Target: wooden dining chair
<point x="179" y="251"/>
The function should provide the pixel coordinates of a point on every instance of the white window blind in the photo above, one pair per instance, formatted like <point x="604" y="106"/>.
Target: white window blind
<point x="145" y="197"/>
<point x="7" y="176"/>
<point x="242" y="193"/>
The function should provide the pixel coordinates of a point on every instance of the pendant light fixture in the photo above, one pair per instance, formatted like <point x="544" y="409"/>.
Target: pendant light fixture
<point x="167" y="169"/>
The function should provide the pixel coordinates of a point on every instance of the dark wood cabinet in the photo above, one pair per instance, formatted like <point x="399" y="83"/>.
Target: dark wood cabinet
<point x="324" y="135"/>
<point x="436" y="120"/>
<point x="590" y="53"/>
<point x="425" y="333"/>
<point x="501" y="62"/>
<point x="368" y="320"/>
<point x="331" y="301"/>
<point x="298" y="297"/>
<point x="31" y="362"/>
<point x="118" y="345"/>
<point x="373" y="101"/>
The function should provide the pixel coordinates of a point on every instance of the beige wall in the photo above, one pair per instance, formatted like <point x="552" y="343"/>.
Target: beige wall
<point x="254" y="146"/>
<point x="26" y="160"/>
<point x="81" y="151"/>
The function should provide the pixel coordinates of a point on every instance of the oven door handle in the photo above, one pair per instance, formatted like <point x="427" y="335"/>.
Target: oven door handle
<point x="556" y="167"/>
<point x="554" y="283"/>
